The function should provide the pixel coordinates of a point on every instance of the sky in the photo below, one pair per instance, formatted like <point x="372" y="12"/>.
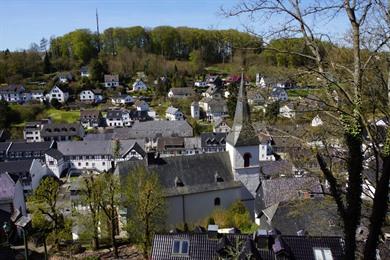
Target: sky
<point x="23" y="22"/>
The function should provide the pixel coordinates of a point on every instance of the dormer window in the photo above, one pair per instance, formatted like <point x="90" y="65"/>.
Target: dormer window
<point x="218" y="178"/>
<point x="178" y="182"/>
<point x="180" y="247"/>
<point x="322" y="254"/>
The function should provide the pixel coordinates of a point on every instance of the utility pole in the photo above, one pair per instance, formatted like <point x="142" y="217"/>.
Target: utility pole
<point x="97" y="30"/>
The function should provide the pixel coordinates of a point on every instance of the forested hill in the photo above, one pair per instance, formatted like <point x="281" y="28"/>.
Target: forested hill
<point x="172" y="43"/>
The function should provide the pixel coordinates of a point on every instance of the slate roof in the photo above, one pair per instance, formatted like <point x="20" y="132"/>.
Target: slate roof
<point x="276" y="168"/>
<point x="315" y="216"/>
<point x="182" y="91"/>
<point x="111" y="78"/>
<point x="89" y="114"/>
<point x="15" y="167"/>
<point x="4" y="146"/>
<point x="99" y="137"/>
<point x="12" y="89"/>
<point x="284" y="189"/>
<point x="213" y="139"/>
<point x="202" y="247"/>
<point x="196" y="172"/>
<point x="55" y="154"/>
<point x="115" y="114"/>
<point x="172" y="110"/>
<point x="242" y="132"/>
<point x="7" y="187"/>
<point x="30" y="147"/>
<point x="49" y="130"/>
<point x="69" y="148"/>
<point x="155" y="128"/>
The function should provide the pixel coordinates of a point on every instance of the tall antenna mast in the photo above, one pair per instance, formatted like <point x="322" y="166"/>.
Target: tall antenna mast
<point x="97" y="30"/>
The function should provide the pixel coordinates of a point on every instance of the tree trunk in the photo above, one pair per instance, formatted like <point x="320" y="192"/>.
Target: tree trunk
<point x="354" y="192"/>
<point x="379" y="211"/>
<point x="113" y="240"/>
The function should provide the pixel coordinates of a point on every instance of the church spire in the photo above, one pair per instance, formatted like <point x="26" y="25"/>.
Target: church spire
<point x="242" y="133"/>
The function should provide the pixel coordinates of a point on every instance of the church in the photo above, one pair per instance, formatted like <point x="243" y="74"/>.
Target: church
<point x="198" y="184"/>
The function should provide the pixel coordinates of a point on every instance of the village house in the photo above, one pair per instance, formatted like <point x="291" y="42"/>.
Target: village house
<point x="176" y="146"/>
<point x="122" y="100"/>
<point x="173" y="114"/>
<point x="260" y="82"/>
<point x="316" y="121"/>
<point x="213" y="107"/>
<point x="10" y="151"/>
<point x="278" y="94"/>
<point x="255" y="98"/>
<point x="287" y="111"/>
<point x="213" y="142"/>
<point x="15" y="94"/>
<point x="141" y="105"/>
<point x="111" y="81"/>
<point x="100" y="156"/>
<point x="153" y="129"/>
<point x="84" y="72"/>
<point x="57" y="93"/>
<point x="139" y="85"/>
<point x="38" y="95"/>
<point x="220" y="125"/>
<point x="11" y="195"/>
<point x="91" y="96"/>
<point x="214" y="244"/>
<point x="32" y="130"/>
<point x="28" y="172"/>
<point x="195" y="110"/>
<point x="65" y="77"/>
<point x="62" y="132"/>
<point x="118" y="118"/>
<point x="181" y="93"/>
<point x="90" y="118"/>
<point x="214" y="80"/>
<point x="200" y="84"/>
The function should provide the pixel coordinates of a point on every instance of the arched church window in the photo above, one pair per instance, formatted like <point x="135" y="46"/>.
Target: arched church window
<point x="247" y="158"/>
<point x="217" y="201"/>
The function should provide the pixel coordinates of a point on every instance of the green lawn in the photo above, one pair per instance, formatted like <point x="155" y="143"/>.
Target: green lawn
<point x="62" y="116"/>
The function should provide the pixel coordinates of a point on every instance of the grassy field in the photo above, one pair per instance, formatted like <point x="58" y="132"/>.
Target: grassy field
<point x="62" y="116"/>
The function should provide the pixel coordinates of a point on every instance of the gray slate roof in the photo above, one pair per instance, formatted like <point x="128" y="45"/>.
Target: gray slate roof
<point x="196" y="172"/>
<point x="152" y="129"/>
<point x="15" y="167"/>
<point x="61" y="129"/>
<point x="7" y="187"/>
<point x="242" y="133"/>
<point x="70" y="148"/>
<point x="284" y="189"/>
<point x="28" y="147"/>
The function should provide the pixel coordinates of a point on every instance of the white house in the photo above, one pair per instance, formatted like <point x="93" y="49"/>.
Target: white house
<point x="195" y="110"/>
<point x="111" y="81"/>
<point x="139" y="85"/>
<point x="15" y="94"/>
<point x="84" y="72"/>
<point x="91" y="96"/>
<point x="57" y="93"/>
<point x="118" y="118"/>
<point x="180" y="92"/>
<point x="173" y="114"/>
<point x="260" y="82"/>
<point x="93" y="155"/>
<point x="221" y="126"/>
<point x="201" y="84"/>
<point x="65" y="77"/>
<point x="38" y="95"/>
<point x="317" y="121"/>
<point x="278" y="94"/>
<point x="141" y="105"/>
<point x="213" y="107"/>
<point x="122" y="100"/>
<point x="287" y="111"/>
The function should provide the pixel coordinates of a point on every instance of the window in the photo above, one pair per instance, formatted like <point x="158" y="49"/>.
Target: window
<point x="180" y="247"/>
<point x="247" y="158"/>
<point x="322" y="254"/>
<point x="217" y="201"/>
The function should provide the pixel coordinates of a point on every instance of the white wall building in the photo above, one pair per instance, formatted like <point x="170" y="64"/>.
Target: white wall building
<point x="139" y="85"/>
<point x="195" y="110"/>
<point x="57" y="93"/>
<point x="173" y="114"/>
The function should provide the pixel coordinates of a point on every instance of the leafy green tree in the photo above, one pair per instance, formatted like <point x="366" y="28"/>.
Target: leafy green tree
<point x="46" y="211"/>
<point x="47" y="67"/>
<point x="55" y="103"/>
<point x="109" y="189"/>
<point x="144" y="197"/>
<point x="8" y="115"/>
<point x="96" y="69"/>
<point x="272" y="112"/>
